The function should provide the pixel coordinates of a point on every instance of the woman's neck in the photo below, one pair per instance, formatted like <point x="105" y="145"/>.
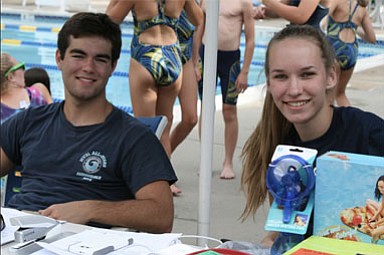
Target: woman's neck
<point x="317" y="126"/>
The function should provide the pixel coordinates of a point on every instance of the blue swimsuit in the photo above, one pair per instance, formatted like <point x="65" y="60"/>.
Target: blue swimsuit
<point x="185" y="32"/>
<point x="162" y="61"/>
<point x="346" y="53"/>
<point x="316" y="16"/>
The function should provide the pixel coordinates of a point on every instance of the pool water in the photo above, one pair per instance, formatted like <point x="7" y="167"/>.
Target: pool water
<point x="33" y="39"/>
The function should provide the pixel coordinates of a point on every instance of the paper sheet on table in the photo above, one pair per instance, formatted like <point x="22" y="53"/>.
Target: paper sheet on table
<point x="49" y="249"/>
<point x="143" y="243"/>
<point x="8" y="234"/>
<point x="178" y="249"/>
<point x="88" y="242"/>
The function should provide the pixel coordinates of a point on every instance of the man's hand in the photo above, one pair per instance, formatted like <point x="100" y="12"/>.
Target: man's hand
<point x="75" y="212"/>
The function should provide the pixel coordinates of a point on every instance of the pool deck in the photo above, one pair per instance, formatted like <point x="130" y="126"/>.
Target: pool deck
<point x="366" y="91"/>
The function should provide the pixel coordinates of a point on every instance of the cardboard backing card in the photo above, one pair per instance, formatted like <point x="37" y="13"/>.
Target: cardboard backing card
<point x="345" y="197"/>
<point x="299" y="219"/>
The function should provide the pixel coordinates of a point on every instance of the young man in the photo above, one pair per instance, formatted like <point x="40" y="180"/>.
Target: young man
<point x="233" y="79"/>
<point x="84" y="160"/>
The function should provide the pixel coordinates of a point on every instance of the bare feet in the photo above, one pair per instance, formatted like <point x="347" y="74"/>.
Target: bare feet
<point x="227" y="173"/>
<point x="175" y="190"/>
<point x="269" y="239"/>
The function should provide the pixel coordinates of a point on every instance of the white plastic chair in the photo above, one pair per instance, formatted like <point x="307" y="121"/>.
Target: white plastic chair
<point x="157" y="123"/>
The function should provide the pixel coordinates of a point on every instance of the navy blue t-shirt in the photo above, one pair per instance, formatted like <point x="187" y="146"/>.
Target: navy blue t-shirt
<point x="62" y="163"/>
<point x="352" y="130"/>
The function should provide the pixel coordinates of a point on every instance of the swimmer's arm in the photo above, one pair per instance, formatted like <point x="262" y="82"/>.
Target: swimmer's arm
<point x="295" y="14"/>
<point x="194" y="12"/>
<point x="249" y="30"/>
<point x="366" y="30"/>
<point x="117" y="10"/>
<point x="197" y="41"/>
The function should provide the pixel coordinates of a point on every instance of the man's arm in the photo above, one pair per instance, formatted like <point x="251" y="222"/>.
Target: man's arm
<point x="6" y="164"/>
<point x="249" y="29"/>
<point x="152" y="210"/>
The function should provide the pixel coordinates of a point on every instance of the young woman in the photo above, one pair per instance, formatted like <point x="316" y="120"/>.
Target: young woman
<point x="344" y="19"/>
<point x="301" y="73"/>
<point x="14" y="95"/>
<point x="37" y="75"/>
<point x="188" y="92"/>
<point x="155" y="71"/>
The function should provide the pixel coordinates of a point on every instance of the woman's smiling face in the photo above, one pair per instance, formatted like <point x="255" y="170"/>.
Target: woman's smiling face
<point x="298" y="79"/>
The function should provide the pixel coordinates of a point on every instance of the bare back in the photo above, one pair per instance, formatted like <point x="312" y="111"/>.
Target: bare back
<point x="231" y="19"/>
<point x="340" y="10"/>
<point x="145" y="10"/>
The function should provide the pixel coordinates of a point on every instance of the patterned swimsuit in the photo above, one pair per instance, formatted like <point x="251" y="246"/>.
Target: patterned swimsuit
<point x="346" y="53"/>
<point x="162" y="61"/>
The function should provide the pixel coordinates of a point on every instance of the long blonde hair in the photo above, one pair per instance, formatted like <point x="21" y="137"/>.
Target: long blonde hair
<point x="273" y="128"/>
<point x="6" y="64"/>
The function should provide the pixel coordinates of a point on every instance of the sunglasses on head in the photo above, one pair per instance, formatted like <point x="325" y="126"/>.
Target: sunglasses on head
<point x="14" y="68"/>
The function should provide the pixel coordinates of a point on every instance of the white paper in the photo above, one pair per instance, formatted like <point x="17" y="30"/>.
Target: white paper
<point x="33" y="221"/>
<point x="143" y="243"/>
<point x="49" y="249"/>
<point x="178" y="249"/>
<point x="8" y="234"/>
<point x="92" y="241"/>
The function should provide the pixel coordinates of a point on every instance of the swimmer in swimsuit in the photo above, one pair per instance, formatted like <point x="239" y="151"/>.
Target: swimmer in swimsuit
<point x="346" y="52"/>
<point x="188" y="93"/>
<point x="317" y="15"/>
<point x="308" y="12"/>
<point x="162" y="61"/>
<point x="233" y="15"/>
<point x="155" y="65"/>
<point x="345" y="16"/>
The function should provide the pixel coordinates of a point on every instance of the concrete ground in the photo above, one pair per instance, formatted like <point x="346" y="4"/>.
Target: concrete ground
<point x="366" y="91"/>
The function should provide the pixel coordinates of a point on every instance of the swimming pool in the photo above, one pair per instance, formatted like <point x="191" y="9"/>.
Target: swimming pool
<point x="32" y="38"/>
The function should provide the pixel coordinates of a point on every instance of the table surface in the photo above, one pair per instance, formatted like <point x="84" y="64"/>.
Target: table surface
<point x="66" y="230"/>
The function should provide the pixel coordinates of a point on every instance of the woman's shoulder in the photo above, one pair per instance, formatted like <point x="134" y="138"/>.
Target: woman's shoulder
<point x="353" y="113"/>
<point x="36" y="96"/>
<point x="351" y="117"/>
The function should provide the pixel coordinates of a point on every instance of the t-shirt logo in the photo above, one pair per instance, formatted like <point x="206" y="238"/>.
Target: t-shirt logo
<point x="93" y="162"/>
<point x="92" y="165"/>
